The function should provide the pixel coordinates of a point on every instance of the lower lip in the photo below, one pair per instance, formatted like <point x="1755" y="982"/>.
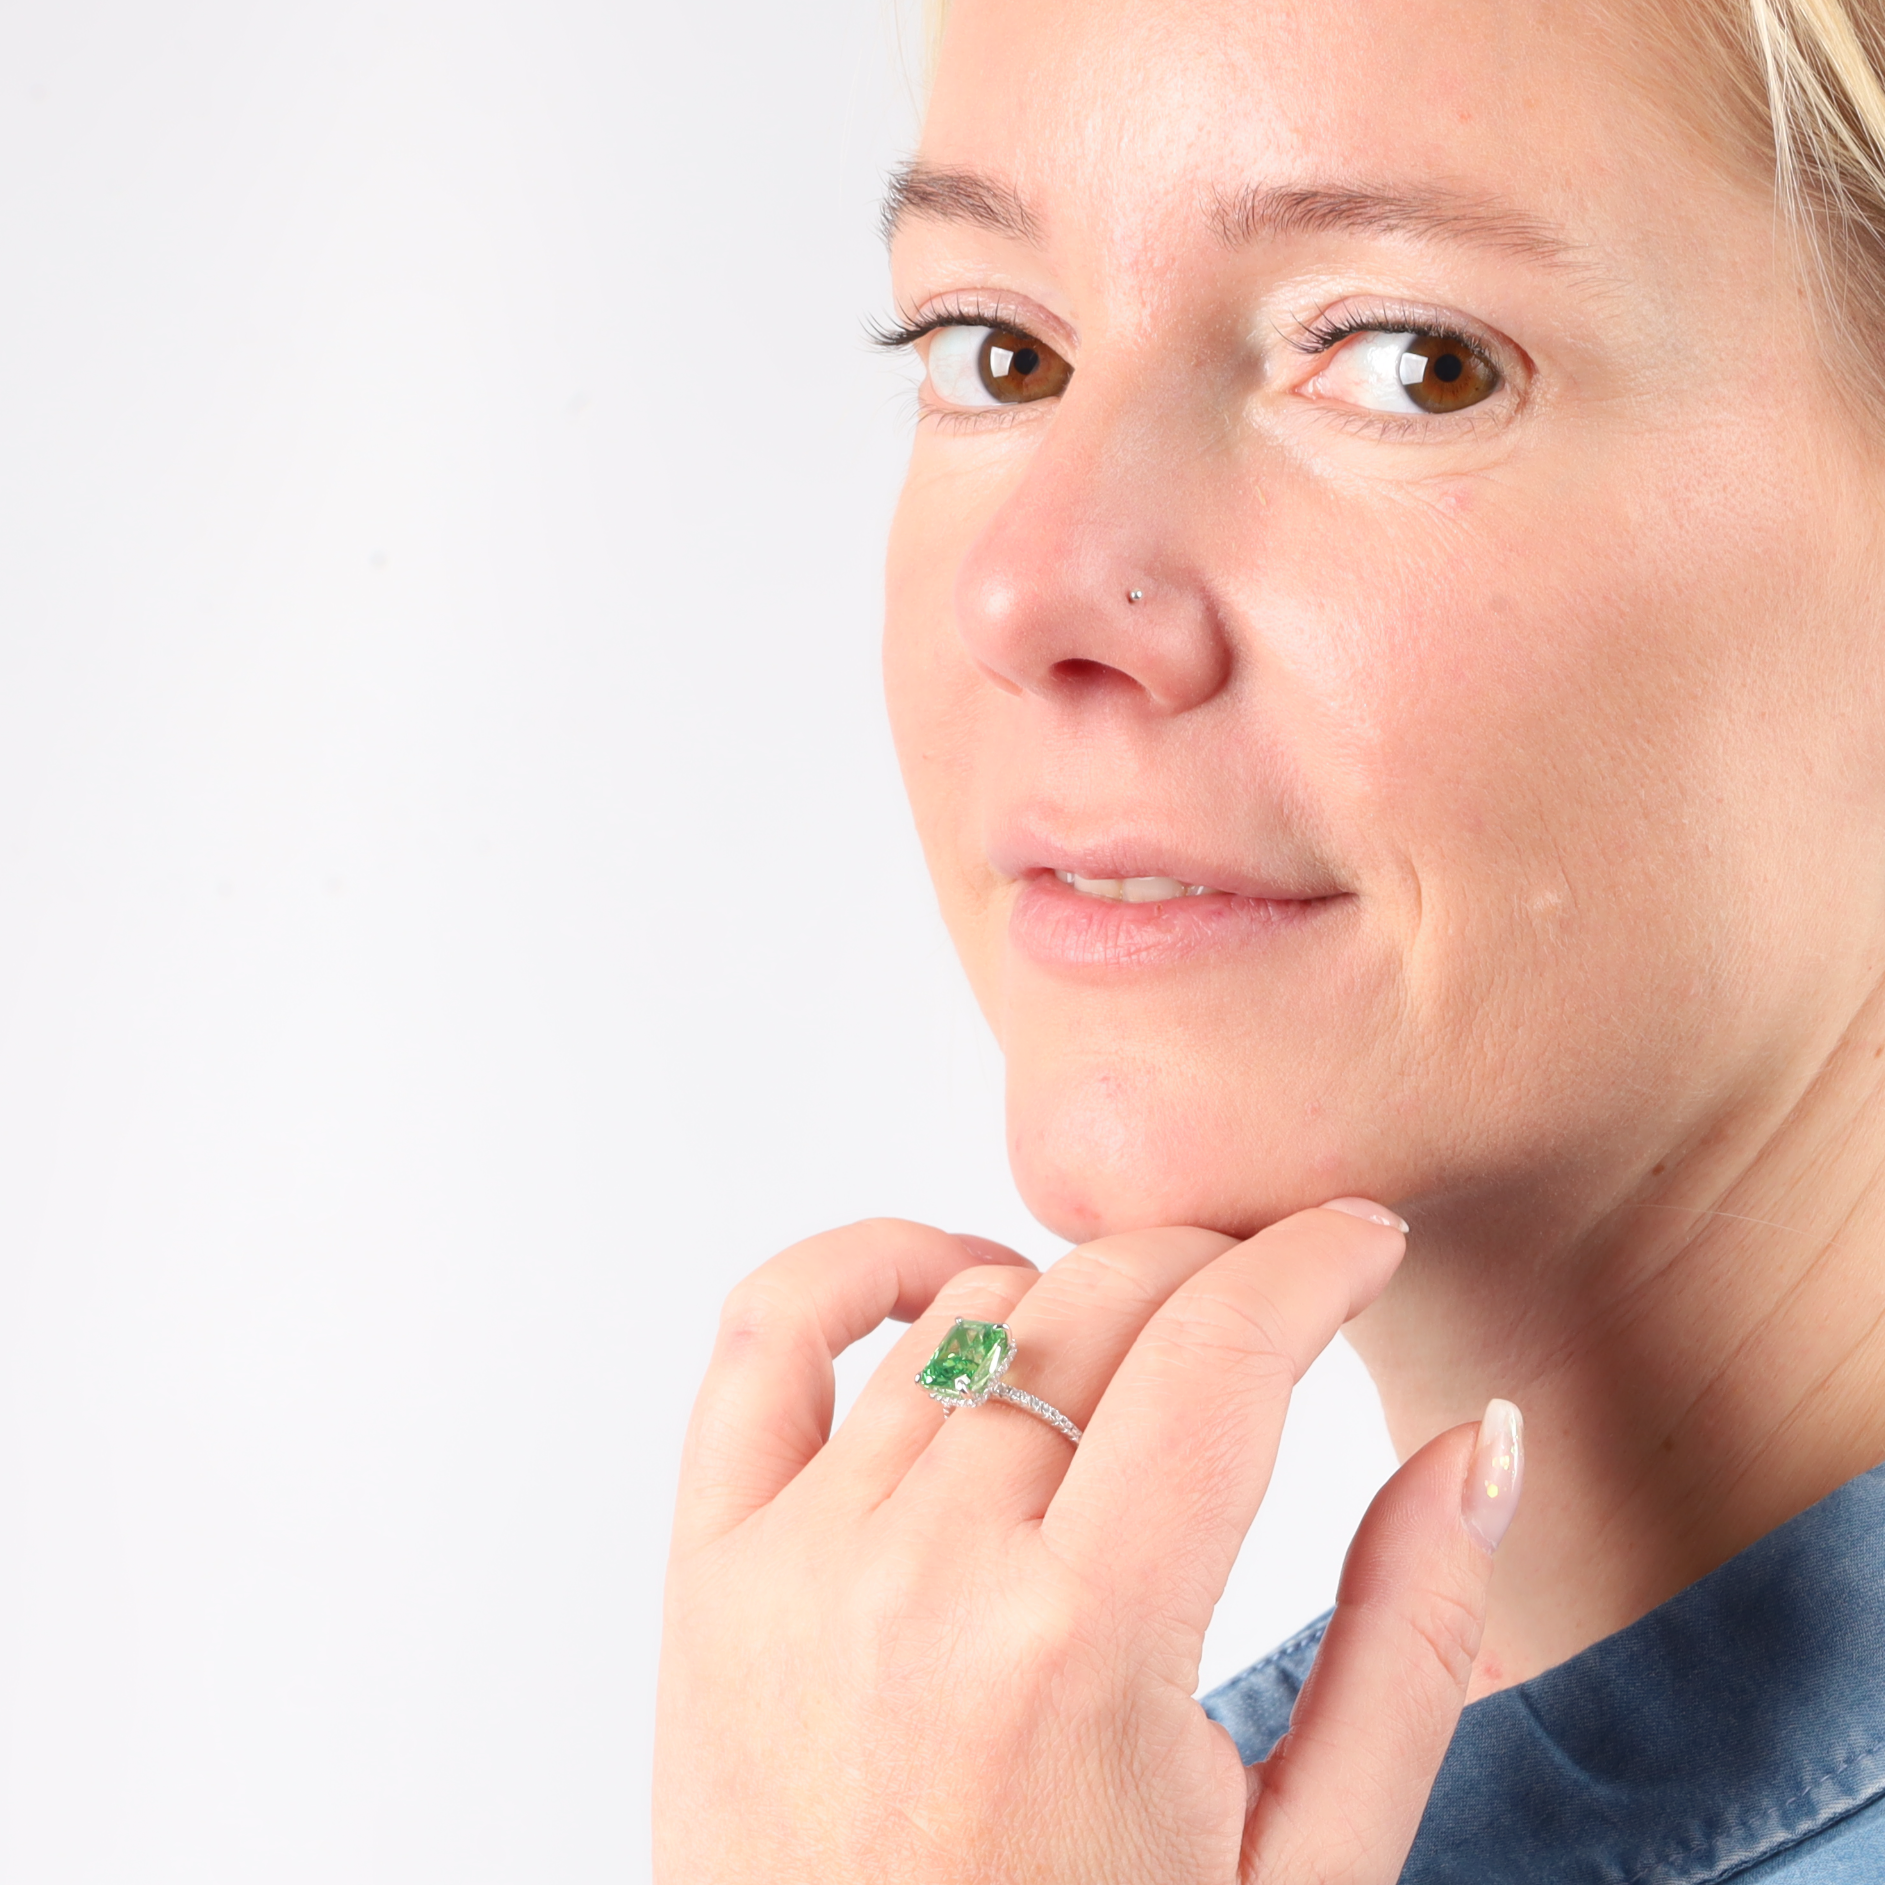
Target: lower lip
<point x="1060" y="927"/>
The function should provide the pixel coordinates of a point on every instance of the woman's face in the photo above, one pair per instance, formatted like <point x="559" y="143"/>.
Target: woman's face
<point x="1450" y="550"/>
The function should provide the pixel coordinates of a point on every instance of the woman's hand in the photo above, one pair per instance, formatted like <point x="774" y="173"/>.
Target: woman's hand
<point x="919" y="1653"/>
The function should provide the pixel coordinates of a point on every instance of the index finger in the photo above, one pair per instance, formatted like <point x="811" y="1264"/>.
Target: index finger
<point x="1178" y="1454"/>
<point x="764" y="1408"/>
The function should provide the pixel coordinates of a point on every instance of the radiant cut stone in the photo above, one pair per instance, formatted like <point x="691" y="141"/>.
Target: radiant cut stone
<point x="966" y="1360"/>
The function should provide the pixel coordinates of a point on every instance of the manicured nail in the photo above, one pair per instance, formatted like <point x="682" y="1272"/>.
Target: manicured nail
<point x="1366" y="1207"/>
<point x="1498" y="1472"/>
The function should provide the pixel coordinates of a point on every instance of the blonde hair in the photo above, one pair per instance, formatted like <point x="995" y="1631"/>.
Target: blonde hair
<point x="1819" y="65"/>
<point x="1820" y="105"/>
<point x="935" y="18"/>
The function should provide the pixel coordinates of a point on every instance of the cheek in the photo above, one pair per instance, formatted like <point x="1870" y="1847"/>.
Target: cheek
<point x="1565" y="781"/>
<point x="1537" y="779"/>
<point x="1490" y="696"/>
<point x="1569" y="741"/>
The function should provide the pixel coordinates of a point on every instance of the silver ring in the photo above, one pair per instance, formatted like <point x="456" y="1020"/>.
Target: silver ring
<point x="967" y="1369"/>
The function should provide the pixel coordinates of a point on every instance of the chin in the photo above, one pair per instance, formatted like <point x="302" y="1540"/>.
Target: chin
<point x="1095" y="1160"/>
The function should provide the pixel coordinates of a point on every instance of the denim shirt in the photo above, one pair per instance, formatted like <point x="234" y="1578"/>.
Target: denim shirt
<point x="1737" y="1731"/>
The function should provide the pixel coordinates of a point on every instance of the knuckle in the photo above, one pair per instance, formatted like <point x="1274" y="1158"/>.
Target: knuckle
<point x="1139" y="1269"/>
<point x="1444" y="1632"/>
<point x="1249" y="1330"/>
<point x="918" y="1628"/>
<point x="1094" y="1269"/>
<point x="879" y="1229"/>
<point x="983" y="1294"/>
<point x="761" y="1312"/>
<point x="751" y="1302"/>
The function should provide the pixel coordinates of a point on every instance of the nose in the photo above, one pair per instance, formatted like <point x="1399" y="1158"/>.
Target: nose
<point x="1089" y="580"/>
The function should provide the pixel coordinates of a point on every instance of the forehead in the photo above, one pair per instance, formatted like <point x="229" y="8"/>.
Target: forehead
<point x="1135" y="122"/>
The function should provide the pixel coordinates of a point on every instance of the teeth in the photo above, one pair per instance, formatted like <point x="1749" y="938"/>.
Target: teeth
<point x="1133" y="889"/>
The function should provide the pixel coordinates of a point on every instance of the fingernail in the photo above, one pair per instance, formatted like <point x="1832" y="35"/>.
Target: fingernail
<point x="1366" y="1207"/>
<point x="1498" y="1472"/>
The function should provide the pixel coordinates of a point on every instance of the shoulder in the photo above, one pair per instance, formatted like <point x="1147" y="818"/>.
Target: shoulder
<point x="1255" y="1705"/>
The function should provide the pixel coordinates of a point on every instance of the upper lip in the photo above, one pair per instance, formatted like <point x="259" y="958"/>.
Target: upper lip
<point x="1024" y="850"/>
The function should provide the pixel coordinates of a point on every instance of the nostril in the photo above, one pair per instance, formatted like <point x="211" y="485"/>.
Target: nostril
<point x="1092" y="676"/>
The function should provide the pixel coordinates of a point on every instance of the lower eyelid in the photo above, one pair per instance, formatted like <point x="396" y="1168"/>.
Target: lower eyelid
<point x="980" y="418"/>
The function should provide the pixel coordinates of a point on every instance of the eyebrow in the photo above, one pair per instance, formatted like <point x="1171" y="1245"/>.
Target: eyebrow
<point x="956" y="196"/>
<point x="1265" y="212"/>
<point x="1262" y="212"/>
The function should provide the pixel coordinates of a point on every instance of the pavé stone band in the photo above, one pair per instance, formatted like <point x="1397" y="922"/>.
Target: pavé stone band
<point x="967" y="1369"/>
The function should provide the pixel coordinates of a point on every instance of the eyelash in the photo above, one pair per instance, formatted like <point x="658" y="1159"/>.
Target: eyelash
<point x="901" y="332"/>
<point x="1325" y="333"/>
<point x="1319" y="336"/>
<point x="897" y="333"/>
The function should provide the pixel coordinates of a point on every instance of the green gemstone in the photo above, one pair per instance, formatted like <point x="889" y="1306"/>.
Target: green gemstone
<point x="966" y="1360"/>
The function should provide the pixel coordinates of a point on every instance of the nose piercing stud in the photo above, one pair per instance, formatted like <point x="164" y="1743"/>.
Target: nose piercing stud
<point x="1135" y="595"/>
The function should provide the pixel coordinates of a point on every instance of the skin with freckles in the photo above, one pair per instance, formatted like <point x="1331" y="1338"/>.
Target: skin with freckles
<point x="1384" y="647"/>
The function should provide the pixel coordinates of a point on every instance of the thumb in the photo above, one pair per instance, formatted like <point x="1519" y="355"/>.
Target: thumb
<point x="1342" y="1795"/>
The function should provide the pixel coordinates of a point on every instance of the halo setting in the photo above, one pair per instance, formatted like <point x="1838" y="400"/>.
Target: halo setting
<point x="968" y="1361"/>
<point x="967" y="1369"/>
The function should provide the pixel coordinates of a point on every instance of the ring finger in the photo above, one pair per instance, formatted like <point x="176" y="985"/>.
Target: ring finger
<point x="1071" y="1331"/>
<point x="893" y="1420"/>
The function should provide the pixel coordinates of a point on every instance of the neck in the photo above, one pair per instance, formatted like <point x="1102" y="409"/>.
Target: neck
<point x="1697" y="1344"/>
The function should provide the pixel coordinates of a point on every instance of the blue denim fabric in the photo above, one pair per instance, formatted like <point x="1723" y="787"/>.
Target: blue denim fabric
<point x="1737" y="1731"/>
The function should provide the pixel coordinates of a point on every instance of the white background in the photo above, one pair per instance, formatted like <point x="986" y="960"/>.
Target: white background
<point x="458" y="909"/>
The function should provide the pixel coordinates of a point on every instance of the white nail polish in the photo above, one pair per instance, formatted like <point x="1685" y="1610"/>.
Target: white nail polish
<point x="1497" y="1474"/>
<point x="1368" y="1209"/>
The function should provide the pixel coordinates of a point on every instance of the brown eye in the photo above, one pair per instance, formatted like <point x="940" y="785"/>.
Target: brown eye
<point x="991" y="366"/>
<point x="1016" y="367"/>
<point x="1445" y="375"/>
<point x="1408" y="371"/>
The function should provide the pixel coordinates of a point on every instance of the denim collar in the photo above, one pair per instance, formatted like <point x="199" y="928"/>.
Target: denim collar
<point x="1738" y="1719"/>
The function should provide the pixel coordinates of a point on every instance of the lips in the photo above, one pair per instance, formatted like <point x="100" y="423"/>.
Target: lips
<point x="1137" y="897"/>
<point x="1072" y="923"/>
